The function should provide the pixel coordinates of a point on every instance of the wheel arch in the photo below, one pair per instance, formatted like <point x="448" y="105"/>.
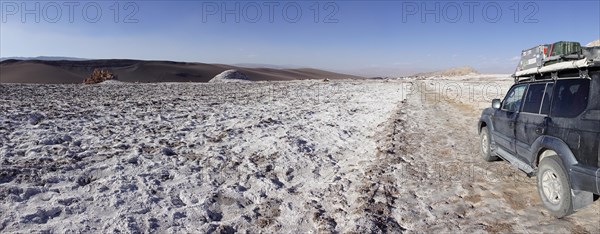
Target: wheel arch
<point x="542" y="153"/>
<point x="482" y="125"/>
<point x="485" y="121"/>
<point x="548" y="146"/>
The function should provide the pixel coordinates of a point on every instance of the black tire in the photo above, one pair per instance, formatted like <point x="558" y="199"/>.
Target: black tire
<point x="553" y="187"/>
<point x="484" y="146"/>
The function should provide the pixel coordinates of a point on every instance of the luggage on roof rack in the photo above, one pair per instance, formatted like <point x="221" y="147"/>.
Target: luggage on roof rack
<point x="533" y="57"/>
<point x="563" y="51"/>
<point x="559" y="56"/>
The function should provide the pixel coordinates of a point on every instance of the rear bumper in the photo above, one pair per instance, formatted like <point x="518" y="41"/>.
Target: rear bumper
<point x="585" y="178"/>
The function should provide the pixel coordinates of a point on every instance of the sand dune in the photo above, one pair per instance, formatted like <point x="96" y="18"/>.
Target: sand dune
<point x="35" y="72"/>
<point x="61" y="72"/>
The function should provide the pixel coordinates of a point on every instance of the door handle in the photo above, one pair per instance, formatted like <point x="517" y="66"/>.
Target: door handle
<point x="540" y="130"/>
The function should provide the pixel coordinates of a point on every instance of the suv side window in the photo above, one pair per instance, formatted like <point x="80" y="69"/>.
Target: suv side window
<point x="512" y="101"/>
<point x="533" y="98"/>
<point x="570" y="97"/>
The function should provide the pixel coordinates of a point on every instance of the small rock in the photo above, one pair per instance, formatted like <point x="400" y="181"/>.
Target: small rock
<point x="168" y="151"/>
<point x="177" y="202"/>
<point x="68" y="201"/>
<point x="214" y="216"/>
<point x="121" y="146"/>
<point x="226" y="229"/>
<point x="41" y="216"/>
<point x="165" y="175"/>
<point x="278" y="184"/>
<point x="52" y="141"/>
<point x="240" y="188"/>
<point x="153" y="223"/>
<point x="84" y="180"/>
<point x="179" y="215"/>
<point x="36" y="118"/>
<point x="103" y="188"/>
<point x="133" y="160"/>
<point x="30" y="192"/>
<point x="66" y="138"/>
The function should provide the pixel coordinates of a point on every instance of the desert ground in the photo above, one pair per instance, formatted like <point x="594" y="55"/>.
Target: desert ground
<point x="349" y="156"/>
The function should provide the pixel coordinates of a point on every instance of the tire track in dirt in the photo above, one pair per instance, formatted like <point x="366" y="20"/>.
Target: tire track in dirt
<point x="429" y="176"/>
<point x="378" y="188"/>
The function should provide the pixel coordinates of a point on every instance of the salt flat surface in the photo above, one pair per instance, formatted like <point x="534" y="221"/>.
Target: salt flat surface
<point x="300" y="156"/>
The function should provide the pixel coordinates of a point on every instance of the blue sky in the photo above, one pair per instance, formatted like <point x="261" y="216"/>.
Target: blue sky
<point x="402" y="36"/>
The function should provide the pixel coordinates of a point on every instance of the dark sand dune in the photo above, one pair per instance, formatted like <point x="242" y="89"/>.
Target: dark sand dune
<point x="292" y="74"/>
<point x="57" y="72"/>
<point x="36" y="73"/>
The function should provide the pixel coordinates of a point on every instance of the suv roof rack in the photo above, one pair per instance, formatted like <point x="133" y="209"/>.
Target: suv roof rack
<point x="574" y="68"/>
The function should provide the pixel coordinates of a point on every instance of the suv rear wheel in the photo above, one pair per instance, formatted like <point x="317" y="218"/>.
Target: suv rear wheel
<point x="484" y="145"/>
<point x="553" y="187"/>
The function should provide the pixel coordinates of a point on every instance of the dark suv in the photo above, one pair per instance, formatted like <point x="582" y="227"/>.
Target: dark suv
<point x="548" y="125"/>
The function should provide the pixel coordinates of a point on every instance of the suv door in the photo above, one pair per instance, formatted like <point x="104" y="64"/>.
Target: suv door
<point x="533" y="119"/>
<point x="570" y="101"/>
<point x="505" y="117"/>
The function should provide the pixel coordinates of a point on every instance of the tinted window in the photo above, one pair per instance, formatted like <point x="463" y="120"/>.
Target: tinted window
<point x="547" y="100"/>
<point x="570" y="97"/>
<point x="512" y="101"/>
<point x="533" y="99"/>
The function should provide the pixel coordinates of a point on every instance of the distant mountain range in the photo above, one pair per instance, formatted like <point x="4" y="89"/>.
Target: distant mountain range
<point x="45" y="58"/>
<point x="261" y="65"/>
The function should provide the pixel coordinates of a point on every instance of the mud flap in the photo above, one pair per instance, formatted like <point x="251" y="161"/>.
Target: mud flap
<point x="581" y="199"/>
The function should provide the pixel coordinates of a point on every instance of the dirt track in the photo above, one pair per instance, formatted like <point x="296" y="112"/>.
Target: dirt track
<point x="443" y="185"/>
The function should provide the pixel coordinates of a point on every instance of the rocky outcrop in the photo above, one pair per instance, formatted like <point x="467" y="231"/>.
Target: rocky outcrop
<point x="594" y="43"/>
<point x="99" y="76"/>
<point x="230" y="76"/>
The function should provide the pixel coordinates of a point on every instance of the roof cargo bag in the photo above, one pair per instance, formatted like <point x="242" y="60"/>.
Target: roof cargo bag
<point x="533" y="57"/>
<point x="563" y="51"/>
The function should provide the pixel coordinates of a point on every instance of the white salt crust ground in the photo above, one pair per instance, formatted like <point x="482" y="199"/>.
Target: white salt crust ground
<point x="300" y="156"/>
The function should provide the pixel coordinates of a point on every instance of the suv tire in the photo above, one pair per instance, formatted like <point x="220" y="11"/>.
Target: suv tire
<point x="484" y="145"/>
<point x="553" y="187"/>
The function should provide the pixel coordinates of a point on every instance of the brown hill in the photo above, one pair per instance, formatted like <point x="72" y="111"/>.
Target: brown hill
<point x="60" y="72"/>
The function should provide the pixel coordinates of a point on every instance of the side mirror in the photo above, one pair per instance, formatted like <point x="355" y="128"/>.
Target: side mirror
<point x="496" y="103"/>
